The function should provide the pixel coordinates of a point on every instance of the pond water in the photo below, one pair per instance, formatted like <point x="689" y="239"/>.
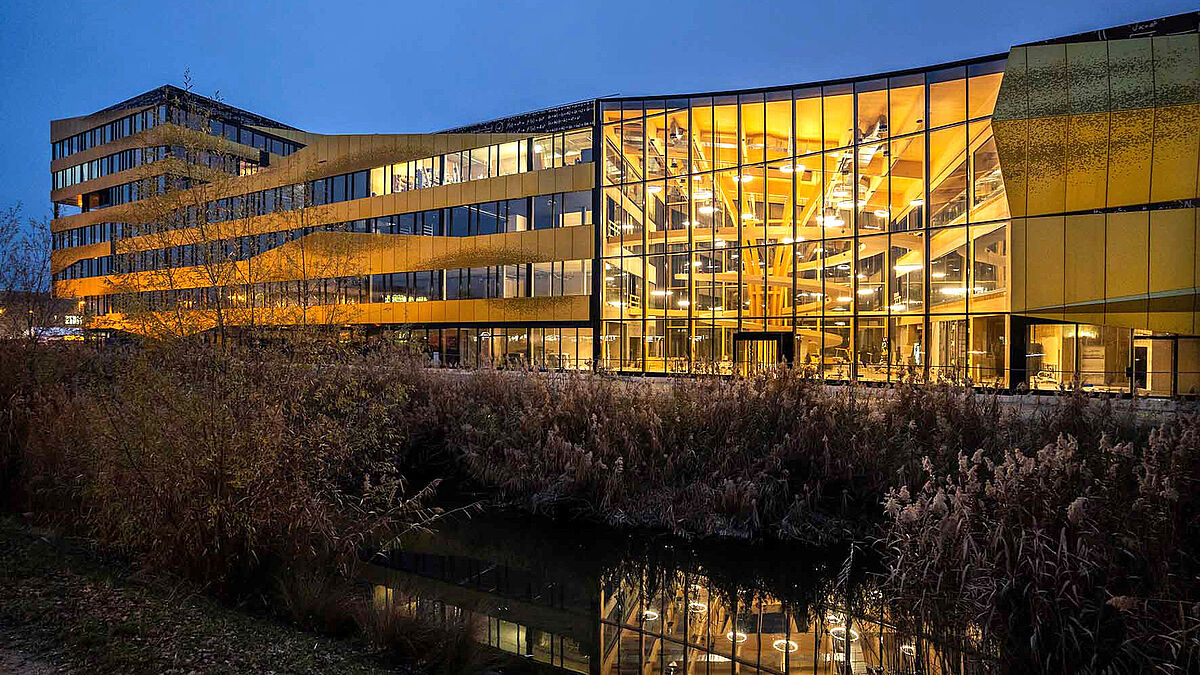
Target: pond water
<point x="575" y="599"/>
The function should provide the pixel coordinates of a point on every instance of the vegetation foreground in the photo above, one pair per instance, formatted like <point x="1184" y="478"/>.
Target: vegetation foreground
<point x="1059" y="536"/>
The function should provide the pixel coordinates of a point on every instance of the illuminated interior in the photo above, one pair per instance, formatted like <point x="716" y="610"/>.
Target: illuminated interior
<point x="866" y="218"/>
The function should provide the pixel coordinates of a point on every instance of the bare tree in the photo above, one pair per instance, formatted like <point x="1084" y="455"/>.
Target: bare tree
<point x="228" y="262"/>
<point x="198" y="258"/>
<point x="27" y="304"/>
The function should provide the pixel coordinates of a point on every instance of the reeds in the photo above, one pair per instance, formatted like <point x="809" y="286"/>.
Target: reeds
<point x="1062" y="534"/>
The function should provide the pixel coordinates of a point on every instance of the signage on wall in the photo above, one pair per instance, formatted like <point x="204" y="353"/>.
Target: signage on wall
<point x="559" y="118"/>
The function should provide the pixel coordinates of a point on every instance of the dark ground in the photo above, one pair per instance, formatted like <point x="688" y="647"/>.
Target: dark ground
<point x="66" y="608"/>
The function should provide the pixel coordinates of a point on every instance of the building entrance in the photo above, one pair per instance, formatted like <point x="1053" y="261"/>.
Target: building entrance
<point x="755" y="353"/>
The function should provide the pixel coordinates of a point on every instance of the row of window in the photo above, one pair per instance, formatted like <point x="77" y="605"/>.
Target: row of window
<point x="255" y="139"/>
<point x="505" y="159"/>
<point x="899" y="274"/>
<point x="509" y="347"/>
<point x="651" y="139"/>
<point x="138" y="122"/>
<point x="838" y="347"/>
<point x="88" y="234"/>
<point x="513" y="215"/>
<point x="124" y="193"/>
<point x="529" y="280"/>
<point x="103" y="166"/>
<point x="107" y="133"/>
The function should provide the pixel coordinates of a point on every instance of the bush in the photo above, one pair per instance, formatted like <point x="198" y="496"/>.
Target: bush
<point x="223" y="466"/>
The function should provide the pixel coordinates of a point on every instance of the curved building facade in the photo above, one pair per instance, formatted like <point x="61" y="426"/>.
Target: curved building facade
<point x="1022" y="219"/>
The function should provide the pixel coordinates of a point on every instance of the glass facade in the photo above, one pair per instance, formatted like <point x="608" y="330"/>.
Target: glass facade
<point x="865" y="220"/>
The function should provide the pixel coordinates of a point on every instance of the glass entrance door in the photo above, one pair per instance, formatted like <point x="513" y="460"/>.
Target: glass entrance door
<point x="1154" y="366"/>
<point x="755" y="353"/>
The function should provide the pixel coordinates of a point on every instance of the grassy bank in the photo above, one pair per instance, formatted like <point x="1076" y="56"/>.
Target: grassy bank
<point x="1066" y="535"/>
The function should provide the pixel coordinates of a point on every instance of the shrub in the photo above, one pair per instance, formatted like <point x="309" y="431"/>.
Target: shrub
<point x="219" y="465"/>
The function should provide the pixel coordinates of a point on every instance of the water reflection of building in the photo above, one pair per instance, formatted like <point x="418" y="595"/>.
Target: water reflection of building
<point x="1027" y="218"/>
<point x="572" y="611"/>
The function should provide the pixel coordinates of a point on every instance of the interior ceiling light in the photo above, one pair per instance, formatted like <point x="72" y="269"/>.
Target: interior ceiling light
<point x="839" y="633"/>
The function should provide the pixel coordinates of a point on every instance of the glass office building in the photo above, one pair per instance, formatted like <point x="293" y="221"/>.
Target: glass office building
<point x="1021" y="219"/>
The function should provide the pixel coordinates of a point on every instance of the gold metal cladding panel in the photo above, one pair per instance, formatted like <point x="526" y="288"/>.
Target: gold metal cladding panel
<point x="1012" y="146"/>
<point x="1083" y="263"/>
<point x="1087" y="77"/>
<point x="1106" y="100"/>
<point x="1086" y="162"/>
<point x="1173" y="171"/>
<point x="497" y="310"/>
<point x="1017" y="263"/>
<point x="1098" y="125"/>
<point x="1047" y="78"/>
<point x="1047" y="165"/>
<point x="1131" y="148"/>
<point x="1131" y="73"/>
<point x="1172" y="250"/>
<point x="500" y="310"/>
<point x="67" y="127"/>
<point x="1176" y="63"/>
<point x="1044" y="241"/>
<point x="65" y="257"/>
<point x="1134" y="269"/>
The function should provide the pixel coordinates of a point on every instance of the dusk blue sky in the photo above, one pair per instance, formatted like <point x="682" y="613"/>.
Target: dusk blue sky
<point x="350" y="67"/>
